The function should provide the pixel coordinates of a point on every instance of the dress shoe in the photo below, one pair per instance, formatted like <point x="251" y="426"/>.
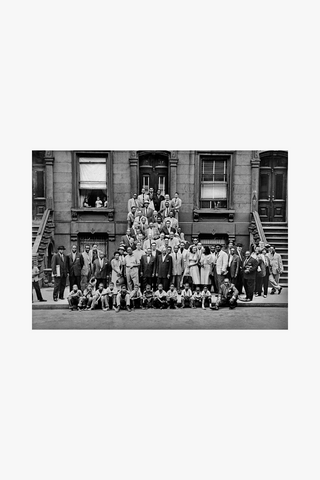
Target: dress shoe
<point x="280" y="290"/>
<point x="42" y="300"/>
<point x="55" y="299"/>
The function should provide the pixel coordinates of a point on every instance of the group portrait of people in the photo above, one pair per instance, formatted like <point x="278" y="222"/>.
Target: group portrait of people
<point x="155" y="267"/>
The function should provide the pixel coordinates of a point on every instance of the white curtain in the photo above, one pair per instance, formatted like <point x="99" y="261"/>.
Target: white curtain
<point x="93" y="174"/>
<point x="210" y="191"/>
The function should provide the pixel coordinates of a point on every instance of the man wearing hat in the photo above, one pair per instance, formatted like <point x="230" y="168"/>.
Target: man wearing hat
<point x="146" y="210"/>
<point x="59" y="273"/>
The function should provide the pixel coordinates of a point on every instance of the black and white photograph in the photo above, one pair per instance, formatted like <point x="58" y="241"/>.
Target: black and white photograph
<point x="157" y="239"/>
<point x="156" y="159"/>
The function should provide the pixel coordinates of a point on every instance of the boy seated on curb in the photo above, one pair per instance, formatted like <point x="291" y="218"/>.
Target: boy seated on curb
<point x="197" y="298"/>
<point x="110" y="298"/>
<point x="86" y="299"/>
<point x="160" y="298"/>
<point x="172" y="296"/>
<point x="74" y="297"/>
<point x="123" y="299"/>
<point x="136" y="297"/>
<point x="206" y="297"/>
<point x="147" y="298"/>
<point x="186" y="297"/>
<point x="179" y="298"/>
<point x="99" y="298"/>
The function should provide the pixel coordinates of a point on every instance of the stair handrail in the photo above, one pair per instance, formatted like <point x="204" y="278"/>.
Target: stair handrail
<point x="40" y="232"/>
<point x="257" y="220"/>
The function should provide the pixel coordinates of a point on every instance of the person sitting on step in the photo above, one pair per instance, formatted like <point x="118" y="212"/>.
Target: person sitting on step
<point x="227" y="296"/>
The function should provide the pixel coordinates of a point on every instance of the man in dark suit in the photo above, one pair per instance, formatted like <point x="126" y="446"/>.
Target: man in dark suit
<point x="239" y="281"/>
<point x="167" y="228"/>
<point x="233" y="265"/>
<point x="101" y="270"/>
<point x="250" y="266"/>
<point x="157" y="199"/>
<point x="164" y="268"/>
<point x="59" y="273"/>
<point x="127" y="239"/>
<point x="75" y="262"/>
<point x="147" y="268"/>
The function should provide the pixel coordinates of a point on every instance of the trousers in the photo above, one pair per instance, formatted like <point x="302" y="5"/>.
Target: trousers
<point x="59" y="286"/>
<point x="132" y="278"/>
<point x="248" y="284"/>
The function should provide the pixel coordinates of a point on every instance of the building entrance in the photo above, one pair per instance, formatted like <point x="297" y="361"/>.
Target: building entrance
<point x="88" y="239"/>
<point x="38" y="185"/>
<point x="273" y="186"/>
<point x="153" y="170"/>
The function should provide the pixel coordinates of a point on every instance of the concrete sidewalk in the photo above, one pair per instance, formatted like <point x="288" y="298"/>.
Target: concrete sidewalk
<point x="271" y="300"/>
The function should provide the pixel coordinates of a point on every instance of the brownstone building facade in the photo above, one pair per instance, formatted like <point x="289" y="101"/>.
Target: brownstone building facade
<point x="219" y="190"/>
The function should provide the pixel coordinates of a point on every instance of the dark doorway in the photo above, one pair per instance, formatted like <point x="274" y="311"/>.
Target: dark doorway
<point x="153" y="171"/>
<point x="38" y="185"/>
<point x="101" y="239"/>
<point x="273" y="186"/>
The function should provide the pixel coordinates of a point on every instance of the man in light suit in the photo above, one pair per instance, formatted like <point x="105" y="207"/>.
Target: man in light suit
<point x="86" y="268"/>
<point x="176" y="205"/>
<point x="177" y="266"/>
<point x="59" y="273"/>
<point x="133" y="202"/>
<point x="143" y="197"/>
<point x="220" y="264"/>
<point x="75" y="263"/>
<point x="147" y="268"/>
<point x="276" y="268"/>
<point x="173" y="221"/>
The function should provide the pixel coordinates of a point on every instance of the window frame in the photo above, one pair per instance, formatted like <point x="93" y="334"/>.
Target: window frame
<point x="219" y="155"/>
<point x="108" y="156"/>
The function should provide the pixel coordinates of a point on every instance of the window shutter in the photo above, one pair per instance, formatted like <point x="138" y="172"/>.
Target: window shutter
<point x="93" y="173"/>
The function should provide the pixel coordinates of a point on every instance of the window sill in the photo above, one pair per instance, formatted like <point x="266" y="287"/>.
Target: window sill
<point x="213" y="210"/>
<point x="213" y="213"/>
<point x="109" y="212"/>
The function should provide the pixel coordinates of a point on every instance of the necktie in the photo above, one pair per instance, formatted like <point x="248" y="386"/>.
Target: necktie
<point x="176" y="256"/>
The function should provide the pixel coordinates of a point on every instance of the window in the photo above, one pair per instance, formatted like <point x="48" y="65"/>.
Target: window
<point x="146" y="182"/>
<point x="92" y="180"/>
<point x="214" y="181"/>
<point x="162" y="184"/>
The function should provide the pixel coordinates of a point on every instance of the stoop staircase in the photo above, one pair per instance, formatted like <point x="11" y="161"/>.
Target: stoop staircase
<point x="41" y="234"/>
<point x="277" y="235"/>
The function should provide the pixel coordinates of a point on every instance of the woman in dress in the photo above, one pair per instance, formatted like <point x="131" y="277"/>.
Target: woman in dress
<point x="117" y="268"/>
<point x="205" y="267"/>
<point x="194" y="266"/>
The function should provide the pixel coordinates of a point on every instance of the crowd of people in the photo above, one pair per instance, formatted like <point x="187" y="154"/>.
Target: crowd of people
<point x="155" y="267"/>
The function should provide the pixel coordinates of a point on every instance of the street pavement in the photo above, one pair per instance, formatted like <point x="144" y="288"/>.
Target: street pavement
<point x="258" y="318"/>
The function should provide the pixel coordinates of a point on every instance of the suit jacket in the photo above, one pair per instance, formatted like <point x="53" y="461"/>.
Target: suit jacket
<point x="57" y="260"/>
<point x="275" y="263"/>
<point x="157" y="202"/>
<point x="142" y="198"/>
<point x="74" y="267"/>
<point x="126" y="241"/>
<point x="148" y="269"/>
<point x="177" y="263"/>
<point x="163" y="209"/>
<point x="234" y="266"/>
<point x="176" y="204"/>
<point x="251" y="265"/>
<point x="166" y="231"/>
<point x="103" y="272"/>
<point x="164" y="268"/>
<point x="86" y="267"/>
<point x="221" y="263"/>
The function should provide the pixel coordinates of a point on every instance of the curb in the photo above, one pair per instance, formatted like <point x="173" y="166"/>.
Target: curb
<point x="241" y="305"/>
